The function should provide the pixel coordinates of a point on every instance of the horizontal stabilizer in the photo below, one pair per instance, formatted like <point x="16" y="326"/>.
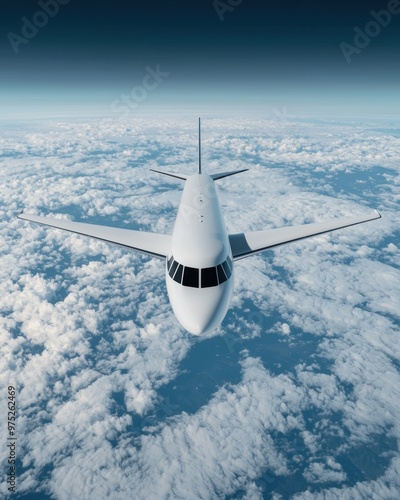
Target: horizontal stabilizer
<point x="221" y="175"/>
<point x="156" y="245"/>
<point x="252" y="242"/>
<point x="170" y="174"/>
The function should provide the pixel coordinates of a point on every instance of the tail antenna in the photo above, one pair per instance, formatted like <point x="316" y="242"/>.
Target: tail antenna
<point x="199" y="146"/>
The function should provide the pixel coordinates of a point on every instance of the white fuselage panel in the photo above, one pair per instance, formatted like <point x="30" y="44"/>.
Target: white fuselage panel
<point x="199" y="237"/>
<point x="200" y="241"/>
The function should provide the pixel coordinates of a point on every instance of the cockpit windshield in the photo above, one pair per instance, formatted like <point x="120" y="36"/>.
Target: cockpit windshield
<point x="200" y="278"/>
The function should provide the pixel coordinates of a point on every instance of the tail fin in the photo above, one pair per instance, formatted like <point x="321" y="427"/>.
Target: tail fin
<point x="199" y="146"/>
<point x="221" y="174"/>
<point x="215" y="177"/>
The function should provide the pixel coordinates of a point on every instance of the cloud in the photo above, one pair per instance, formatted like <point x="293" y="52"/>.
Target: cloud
<point x="305" y="378"/>
<point x="198" y="456"/>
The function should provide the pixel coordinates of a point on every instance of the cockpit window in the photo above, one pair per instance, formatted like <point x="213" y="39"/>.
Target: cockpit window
<point x="172" y="269"/>
<point x="221" y="275"/>
<point x="191" y="277"/>
<point x="226" y="269"/>
<point x="178" y="274"/>
<point x="209" y="276"/>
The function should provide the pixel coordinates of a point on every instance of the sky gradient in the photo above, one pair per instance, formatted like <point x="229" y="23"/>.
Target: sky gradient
<point x="246" y="58"/>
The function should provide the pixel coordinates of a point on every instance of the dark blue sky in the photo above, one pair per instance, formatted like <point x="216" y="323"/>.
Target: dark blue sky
<point x="261" y="56"/>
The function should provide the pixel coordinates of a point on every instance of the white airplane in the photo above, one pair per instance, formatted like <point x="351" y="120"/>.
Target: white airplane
<point x="200" y="254"/>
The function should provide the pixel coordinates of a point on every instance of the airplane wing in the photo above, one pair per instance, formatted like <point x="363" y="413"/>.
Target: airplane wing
<point x="156" y="245"/>
<point x="252" y="242"/>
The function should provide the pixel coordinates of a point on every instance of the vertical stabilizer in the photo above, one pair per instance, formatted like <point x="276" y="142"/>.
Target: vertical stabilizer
<point x="199" y="146"/>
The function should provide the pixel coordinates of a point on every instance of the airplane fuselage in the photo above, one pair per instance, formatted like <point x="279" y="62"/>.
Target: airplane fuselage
<point x="199" y="267"/>
<point x="200" y="254"/>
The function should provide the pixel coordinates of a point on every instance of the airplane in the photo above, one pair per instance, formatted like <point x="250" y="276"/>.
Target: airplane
<point x="199" y="254"/>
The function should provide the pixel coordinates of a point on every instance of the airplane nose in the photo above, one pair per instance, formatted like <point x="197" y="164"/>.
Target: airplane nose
<point x="203" y="325"/>
<point x="201" y="310"/>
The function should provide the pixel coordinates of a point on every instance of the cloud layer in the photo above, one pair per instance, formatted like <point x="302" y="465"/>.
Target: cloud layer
<point x="297" y="393"/>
